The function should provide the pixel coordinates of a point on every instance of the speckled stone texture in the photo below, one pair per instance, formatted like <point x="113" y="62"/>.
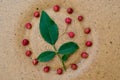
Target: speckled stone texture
<point x="102" y="16"/>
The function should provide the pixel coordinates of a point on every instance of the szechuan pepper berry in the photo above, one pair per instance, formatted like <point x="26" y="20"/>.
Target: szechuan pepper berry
<point x="56" y="8"/>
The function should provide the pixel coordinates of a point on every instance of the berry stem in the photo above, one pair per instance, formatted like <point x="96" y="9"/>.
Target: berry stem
<point x="64" y="31"/>
<point x="63" y="64"/>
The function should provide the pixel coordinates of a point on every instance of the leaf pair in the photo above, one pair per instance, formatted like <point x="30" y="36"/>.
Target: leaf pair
<point x="66" y="50"/>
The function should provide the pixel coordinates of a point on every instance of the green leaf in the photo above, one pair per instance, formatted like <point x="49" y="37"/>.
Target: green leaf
<point x="65" y="57"/>
<point x="68" y="48"/>
<point x="48" y="28"/>
<point x="46" y="56"/>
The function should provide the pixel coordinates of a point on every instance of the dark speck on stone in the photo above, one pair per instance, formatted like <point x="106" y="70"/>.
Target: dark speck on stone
<point x="110" y="42"/>
<point x="37" y="8"/>
<point x="21" y="13"/>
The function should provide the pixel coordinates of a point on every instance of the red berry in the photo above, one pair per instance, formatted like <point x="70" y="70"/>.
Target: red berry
<point x="46" y="69"/>
<point x="87" y="30"/>
<point x="68" y="20"/>
<point x="28" y="25"/>
<point x="59" y="71"/>
<point x="56" y="8"/>
<point x="71" y="34"/>
<point x="25" y="42"/>
<point x="35" y="62"/>
<point x="36" y="14"/>
<point x="28" y="53"/>
<point x="84" y="55"/>
<point x="70" y="10"/>
<point x="74" y="66"/>
<point x="80" y="18"/>
<point x="88" y="43"/>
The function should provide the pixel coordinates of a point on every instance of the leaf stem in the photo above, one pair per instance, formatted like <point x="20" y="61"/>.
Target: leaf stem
<point x="55" y="48"/>
<point x="63" y="64"/>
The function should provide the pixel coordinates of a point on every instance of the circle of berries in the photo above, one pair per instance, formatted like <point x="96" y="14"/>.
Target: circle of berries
<point x="68" y="20"/>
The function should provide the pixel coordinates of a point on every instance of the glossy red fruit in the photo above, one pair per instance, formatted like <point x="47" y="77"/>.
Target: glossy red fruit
<point x="74" y="66"/>
<point x="28" y="53"/>
<point x="88" y="43"/>
<point x="56" y="8"/>
<point x="36" y="14"/>
<point x="68" y="20"/>
<point x="84" y="55"/>
<point x="69" y="10"/>
<point x="59" y="71"/>
<point x="71" y="34"/>
<point x="35" y="62"/>
<point x="25" y="42"/>
<point x="80" y="18"/>
<point x="46" y="69"/>
<point x="28" y="25"/>
<point x="87" y="30"/>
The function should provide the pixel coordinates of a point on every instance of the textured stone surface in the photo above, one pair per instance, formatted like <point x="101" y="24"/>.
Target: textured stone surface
<point x="102" y="16"/>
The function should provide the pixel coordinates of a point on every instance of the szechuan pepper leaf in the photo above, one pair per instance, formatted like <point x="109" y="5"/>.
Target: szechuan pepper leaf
<point x="48" y="28"/>
<point x="46" y="56"/>
<point x="68" y="48"/>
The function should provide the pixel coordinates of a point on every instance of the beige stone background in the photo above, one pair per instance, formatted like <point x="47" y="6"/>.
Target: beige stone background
<point x="103" y="16"/>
